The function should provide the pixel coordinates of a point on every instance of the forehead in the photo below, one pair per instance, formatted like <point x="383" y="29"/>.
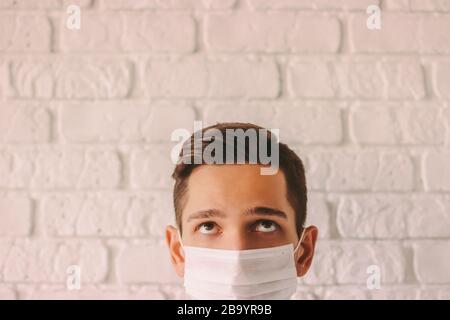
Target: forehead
<point x="235" y="188"/>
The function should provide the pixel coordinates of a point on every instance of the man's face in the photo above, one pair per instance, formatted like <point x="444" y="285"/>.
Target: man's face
<point x="235" y="207"/>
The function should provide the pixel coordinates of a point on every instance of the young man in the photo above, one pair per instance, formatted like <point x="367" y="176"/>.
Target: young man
<point x="240" y="230"/>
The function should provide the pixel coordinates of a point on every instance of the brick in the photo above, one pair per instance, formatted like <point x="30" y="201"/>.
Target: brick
<point x="432" y="261"/>
<point x="24" y="123"/>
<point x="24" y="4"/>
<point x="90" y="292"/>
<point x="346" y="262"/>
<point x="400" y="33"/>
<point x="193" y="77"/>
<point x="404" y="79"/>
<point x="109" y="215"/>
<point x="167" y="5"/>
<point x="70" y="168"/>
<point x="4" y="78"/>
<point x="372" y="217"/>
<point x="105" y="121"/>
<point x="42" y="4"/>
<point x="298" y="123"/>
<point x="435" y="293"/>
<point x="408" y="292"/>
<point x="311" y="80"/>
<point x="319" y="214"/>
<point x="136" y="264"/>
<point x="274" y="32"/>
<point x="397" y="125"/>
<point x="25" y="33"/>
<point x="356" y="79"/>
<point x="441" y="79"/>
<point x="350" y="292"/>
<point x="7" y="293"/>
<point x="312" y="4"/>
<point x="96" y="216"/>
<point x="436" y="170"/>
<point x="395" y="172"/>
<point x="259" y="113"/>
<point x="175" y="292"/>
<point x="359" y="171"/>
<point x="70" y="78"/>
<point x="396" y="5"/>
<point x="5" y="245"/>
<point x="80" y="3"/>
<point x="310" y="125"/>
<point x="130" y="32"/>
<point x="47" y="260"/>
<point x="429" y="217"/>
<point x="389" y="216"/>
<point x="429" y="5"/>
<point x="163" y="214"/>
<point x="446" y="117"/>
<point x="303" y="293"/>
<point x="344" y="293"/>
<point x="15" y="216"/>
<point x="433" y="35"/>
<point x="151" y="168"/>
<point x="355" y="257"/>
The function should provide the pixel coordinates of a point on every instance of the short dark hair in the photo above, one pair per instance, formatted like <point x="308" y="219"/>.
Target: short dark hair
<point x="290" y="164"/>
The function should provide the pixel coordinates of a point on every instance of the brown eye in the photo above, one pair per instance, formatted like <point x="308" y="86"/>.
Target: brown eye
<point x="208" y="228"/>
<point x="266" y="226"/>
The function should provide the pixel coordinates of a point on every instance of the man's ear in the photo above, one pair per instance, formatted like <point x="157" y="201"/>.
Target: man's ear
<point x="305" y="253"/>
<point x="175" y="250"/>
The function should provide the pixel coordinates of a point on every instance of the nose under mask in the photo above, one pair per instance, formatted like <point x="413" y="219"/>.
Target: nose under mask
<point x="267" y="273"/>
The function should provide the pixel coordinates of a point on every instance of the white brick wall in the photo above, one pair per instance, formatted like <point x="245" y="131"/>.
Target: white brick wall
<point x="86" y="117"/>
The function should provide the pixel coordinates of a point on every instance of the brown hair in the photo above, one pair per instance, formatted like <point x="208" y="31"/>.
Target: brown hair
<point x="290" y="164"/>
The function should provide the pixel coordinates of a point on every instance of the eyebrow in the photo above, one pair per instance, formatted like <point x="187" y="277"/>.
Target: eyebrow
<point x="210" y="213"/>
<point x="266" y="211"/>
<point x="204" y="214"/>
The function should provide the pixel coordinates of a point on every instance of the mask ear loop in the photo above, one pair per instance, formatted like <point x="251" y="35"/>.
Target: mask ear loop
<point x="179" y="238"/>
<point x="300" y="241"/>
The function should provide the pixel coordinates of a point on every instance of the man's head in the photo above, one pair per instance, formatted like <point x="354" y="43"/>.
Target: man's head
<point x="234" y="206"/>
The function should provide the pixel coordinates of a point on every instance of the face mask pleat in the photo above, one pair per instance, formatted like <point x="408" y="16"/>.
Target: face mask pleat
<point x="230" y="274"/>
<point x="243" y="290"/>
<point x="217" y="269"/>
<point x="273" y="295"/>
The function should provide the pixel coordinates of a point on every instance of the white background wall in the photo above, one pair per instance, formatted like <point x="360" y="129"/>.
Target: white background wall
<point x="86" y="117"/>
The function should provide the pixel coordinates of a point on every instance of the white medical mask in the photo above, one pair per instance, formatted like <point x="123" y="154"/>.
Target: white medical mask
<point x="268" y="273"/>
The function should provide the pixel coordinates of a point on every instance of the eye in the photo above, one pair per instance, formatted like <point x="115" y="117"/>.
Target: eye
<point x="266" y="226"/>
<point x="207" y="228"/>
